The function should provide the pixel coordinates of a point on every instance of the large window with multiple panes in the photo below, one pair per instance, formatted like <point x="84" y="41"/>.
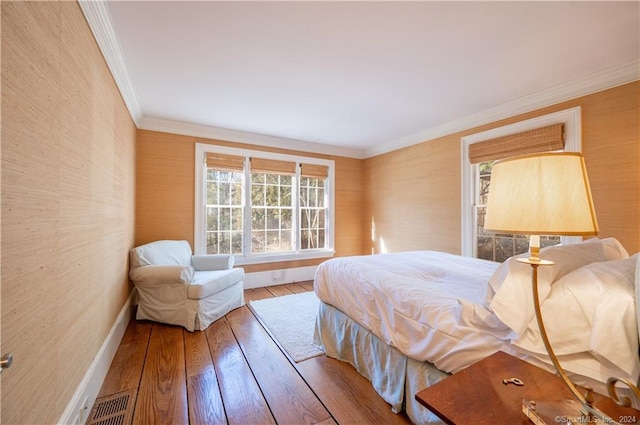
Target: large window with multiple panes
<point x="262" y="206"/>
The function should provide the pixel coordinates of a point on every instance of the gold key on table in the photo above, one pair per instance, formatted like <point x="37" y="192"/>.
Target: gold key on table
<point x="514" y="381"/>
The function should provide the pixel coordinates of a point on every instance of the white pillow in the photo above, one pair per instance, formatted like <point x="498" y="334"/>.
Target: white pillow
<point x="592" y="309"/>
<point x="511" y="282"/>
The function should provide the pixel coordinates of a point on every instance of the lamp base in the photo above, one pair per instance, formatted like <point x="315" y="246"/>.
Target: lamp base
<point x="554" y="412"/>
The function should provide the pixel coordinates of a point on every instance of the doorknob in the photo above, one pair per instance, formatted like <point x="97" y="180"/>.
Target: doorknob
<point x="6" y="361"/>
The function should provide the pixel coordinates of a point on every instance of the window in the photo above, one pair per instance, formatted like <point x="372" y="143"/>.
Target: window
<point x="477" y="162"/>
<point x="262" y="206"/>
<point x="224" y="212"/>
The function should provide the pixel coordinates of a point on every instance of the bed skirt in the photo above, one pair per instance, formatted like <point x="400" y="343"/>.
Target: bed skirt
<point x="394" y="376"/>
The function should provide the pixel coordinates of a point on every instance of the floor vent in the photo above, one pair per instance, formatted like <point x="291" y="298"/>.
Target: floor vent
<point x="115" y="409"/>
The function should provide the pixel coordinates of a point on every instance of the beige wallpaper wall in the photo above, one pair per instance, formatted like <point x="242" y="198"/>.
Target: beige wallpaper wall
<point x="76" y="176"/>
<point x="165" y="177"/>
<point x="412" y="196"/>
<point x="68" y="146"/>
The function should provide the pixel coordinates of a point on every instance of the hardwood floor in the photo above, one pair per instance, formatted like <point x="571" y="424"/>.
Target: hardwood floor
<point x="234" y="373"/>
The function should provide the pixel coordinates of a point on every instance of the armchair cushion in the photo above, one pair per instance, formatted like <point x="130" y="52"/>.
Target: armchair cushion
<point x="212" y="262"/>
<point x="159" y="275"/>
<point x="163" y="253"/>
<point x="207" y="283"/>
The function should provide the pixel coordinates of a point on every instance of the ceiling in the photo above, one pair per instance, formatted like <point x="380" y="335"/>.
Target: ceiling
<point x="357" y="78"/>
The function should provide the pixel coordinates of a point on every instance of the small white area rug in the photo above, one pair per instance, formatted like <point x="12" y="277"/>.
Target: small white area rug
<point x="291" y="321"/>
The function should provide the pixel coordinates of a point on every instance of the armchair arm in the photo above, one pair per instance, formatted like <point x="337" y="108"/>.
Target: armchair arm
<point x="160" y="275"/>
<point x="212" y="262"/>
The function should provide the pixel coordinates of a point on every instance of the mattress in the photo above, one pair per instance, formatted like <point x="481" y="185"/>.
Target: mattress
<point x="446" y="321"/>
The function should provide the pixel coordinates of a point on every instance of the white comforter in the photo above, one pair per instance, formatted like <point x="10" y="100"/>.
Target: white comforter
<point x="445" y="322"/>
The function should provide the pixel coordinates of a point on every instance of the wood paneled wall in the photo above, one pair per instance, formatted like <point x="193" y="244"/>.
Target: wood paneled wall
<point x="165" y="176"/>
<point x="68" y="157"/>
<point x="413" y="195"/>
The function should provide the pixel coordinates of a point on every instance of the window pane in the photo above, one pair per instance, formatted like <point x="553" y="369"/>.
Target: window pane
<point x="225" y="193"/>
<point x="271" y="179"/>
<point x="212" y="218"/>
<point x="273" y="241"/>
<point x="285" y="196"/>
<point x="258" y="219"/>
<point x="321" y="196"/>
<point x="212" y="242"/>
<point x="225" y="218"/>
<point x="212" y="193"/>
<point x="286" y="221"/>
<point x="273" y="218"/>
<point x="236" y="242"/>
<point x="286" y="240"/>
<point x="504" y="248"/>
<point x="258" y="241"/>
<point x="257" y="195"/>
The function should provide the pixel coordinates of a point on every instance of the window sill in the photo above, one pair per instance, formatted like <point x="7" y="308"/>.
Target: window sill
<point x="278" y="258"/>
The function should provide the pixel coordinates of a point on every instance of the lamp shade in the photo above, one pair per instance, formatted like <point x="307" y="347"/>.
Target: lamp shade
<point x="541" y="194"/>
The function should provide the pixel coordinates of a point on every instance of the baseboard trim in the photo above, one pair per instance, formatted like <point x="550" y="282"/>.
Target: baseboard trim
<point x="80" y="405"/>
<point x="278" y="277"/>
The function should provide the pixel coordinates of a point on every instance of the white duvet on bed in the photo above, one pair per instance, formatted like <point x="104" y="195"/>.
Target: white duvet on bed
<point x="424" y="329"/>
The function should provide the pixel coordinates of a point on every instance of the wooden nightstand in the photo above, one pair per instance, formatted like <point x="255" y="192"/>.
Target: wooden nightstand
<point x="477" y="395"/>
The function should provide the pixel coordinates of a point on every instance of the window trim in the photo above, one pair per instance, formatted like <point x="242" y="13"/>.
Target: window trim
<point x="200" y="197"/>
<point x="573" y="143"/>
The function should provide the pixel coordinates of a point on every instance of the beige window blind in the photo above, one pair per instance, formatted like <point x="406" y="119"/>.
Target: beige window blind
<point x="314" y="171"/>
<point x="261" y="165"/>
<point x="544" y="139"/>
<point x="225" y="162"/>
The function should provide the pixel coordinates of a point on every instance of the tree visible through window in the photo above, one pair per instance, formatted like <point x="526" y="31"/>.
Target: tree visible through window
<point x="224" y="212"/>
<point x="312" y="213"/>
<point x="267" y="205"/>
<point x="271" y="213"/>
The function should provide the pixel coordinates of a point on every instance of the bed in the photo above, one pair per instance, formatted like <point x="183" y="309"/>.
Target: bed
<point x="407" y="320"/>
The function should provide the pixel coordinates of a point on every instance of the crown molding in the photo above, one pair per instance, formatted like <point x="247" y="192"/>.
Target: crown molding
<point x="237" y="136"/>
<point x="605" y="79"/>
<point x="98" y="18"/>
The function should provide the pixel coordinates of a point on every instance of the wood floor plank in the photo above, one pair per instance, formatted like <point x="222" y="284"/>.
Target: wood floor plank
<point x="205" y="402"/>
<point x="126" y="368"/>
<point x="308" y="285"/>
<point x="196" y="351"/>
<point x="289" y="397"/>
<point x="243" y="399"/>
<point x="162" y="395"/>
<point x="256" y="294"/>
<point x="349" y="396"/>
<point x="203" y="392"/>
<point x="295" y="288"/>
<point x="279" y="290"/>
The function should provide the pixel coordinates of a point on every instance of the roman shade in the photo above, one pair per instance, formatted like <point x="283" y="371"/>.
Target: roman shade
<point x="261" y="165"/>
<point x="544" y="139"/>
<point x="314" y="171"/>
<point x="225" y="162"/>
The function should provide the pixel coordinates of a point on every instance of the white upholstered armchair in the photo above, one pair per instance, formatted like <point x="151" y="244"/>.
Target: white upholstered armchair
<point x="179" y="288"/>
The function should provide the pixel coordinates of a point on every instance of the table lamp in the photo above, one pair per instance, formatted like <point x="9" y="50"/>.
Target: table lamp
<point x="548" y="194"/>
